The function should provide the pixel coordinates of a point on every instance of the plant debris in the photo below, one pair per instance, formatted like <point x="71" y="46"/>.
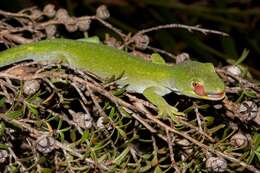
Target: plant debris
<point x="58" y="119"/>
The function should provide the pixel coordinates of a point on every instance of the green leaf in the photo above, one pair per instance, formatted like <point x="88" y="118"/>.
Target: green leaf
<point x="4" y="146"/>
<point x="2" y="129"/>
<point x="60" y="124"/>
<point x="121" y="157"/>
<point x="65" y="129"/>
<point x="158" y="169"/>
<point x="124" y="113"/>
<point x="256" y="140"/>
<point x="119" y="91"/>
<point x="258" y="149"/>
<point x="209" y="120"/>
<point x="93" y="155"/>
<point x="61" y="137"/>
<point x="73" y="135"/>
<point x="154" y="160"/>
<point x="146" y="167"/>
<point x="254" y="150"/>
<point x="103" y="158"/>
<point x="112" y="112"/>
<point x="242" y="57"/>
<point x="216" y="128"/>
<point x="250" y="93"/>
<point x="12" y="168"/>
<point x="2" y="102"/>
<point x="121" y="132"/>
<point x="15" y="114"/>
<point x="85" y="136"/>
<point x="258" y="155"/>
<point x="46" y="170"/>
<point x="33" y="109"/>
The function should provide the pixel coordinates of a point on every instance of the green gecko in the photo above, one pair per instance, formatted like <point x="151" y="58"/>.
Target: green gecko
<point x="152" y="79"/>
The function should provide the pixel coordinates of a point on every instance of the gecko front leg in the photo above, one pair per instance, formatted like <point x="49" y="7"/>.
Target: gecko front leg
<point x="164" y="108"/>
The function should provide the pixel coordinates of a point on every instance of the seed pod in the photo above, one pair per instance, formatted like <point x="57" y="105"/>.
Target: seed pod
<point x="239" y="140"/>
<point x="49" y="10"/>
<point x="183" y="142"/>
<point x="186" y="148"/>
<point x="234" y="70"/>
<point x="102" y="12"/>
<point x="3" y="156"/>
<point x="50" y="31"/>
<point x="216" y="164"/>
<point x="31" y="87"/>
<point x="45" y="144"/>
<point x="62" y="15"/>
<point x="36" y="14"/>
<point x="81" y="119"/>
<point x="71" y="24"/>
<point x="100" y="123"/>
<point x="84" y="24"/>
<point x="141" y="41"/>
<point x="104" y="123"/>
<point x="182" y="57"/>
<point x="247" y="111"/>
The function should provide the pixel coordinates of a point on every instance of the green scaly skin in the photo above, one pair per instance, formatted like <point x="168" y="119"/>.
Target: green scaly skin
<point x="151" y="79"/>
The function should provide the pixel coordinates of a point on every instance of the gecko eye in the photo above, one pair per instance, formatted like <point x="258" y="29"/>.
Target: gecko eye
<point x="195" y="84"/>
<point x="198" y="88"/>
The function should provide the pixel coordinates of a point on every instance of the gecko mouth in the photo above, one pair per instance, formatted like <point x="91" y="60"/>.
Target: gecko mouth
<point x="215" y="96"/>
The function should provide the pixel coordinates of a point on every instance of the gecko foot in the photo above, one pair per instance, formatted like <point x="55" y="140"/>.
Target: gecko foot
<point x="168" y="110"/>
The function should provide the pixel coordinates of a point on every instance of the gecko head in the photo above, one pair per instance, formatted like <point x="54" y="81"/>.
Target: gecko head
<point x="199" y="80"/>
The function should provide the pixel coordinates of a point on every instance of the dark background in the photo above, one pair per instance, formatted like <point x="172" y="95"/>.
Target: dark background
<point x="239" y="18"/>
